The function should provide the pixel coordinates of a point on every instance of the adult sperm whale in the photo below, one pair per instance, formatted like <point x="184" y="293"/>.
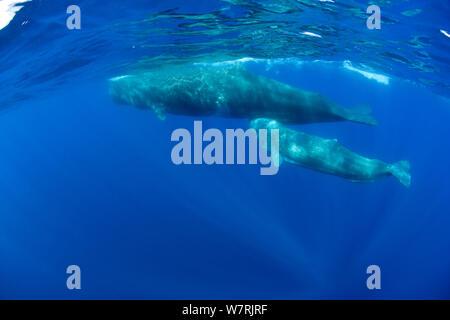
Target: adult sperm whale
<point x="328" y="156"/>
<point x="228" y="91"/>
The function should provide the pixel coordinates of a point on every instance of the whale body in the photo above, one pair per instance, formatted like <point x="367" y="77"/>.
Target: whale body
<point x="328" y="156"/>
<point x="227" y="91"/>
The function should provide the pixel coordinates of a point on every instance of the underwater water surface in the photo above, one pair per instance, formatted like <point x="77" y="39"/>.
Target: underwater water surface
<point x="88" y="182"/>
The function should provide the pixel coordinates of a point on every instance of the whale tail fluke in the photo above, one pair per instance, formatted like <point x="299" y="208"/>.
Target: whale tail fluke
<point x="400" y="170"/>
<point x="361" y="114"/>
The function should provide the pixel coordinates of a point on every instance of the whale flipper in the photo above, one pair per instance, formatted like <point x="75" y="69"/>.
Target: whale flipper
<point x="400" y="170"/>
<point x="160" y="113"/>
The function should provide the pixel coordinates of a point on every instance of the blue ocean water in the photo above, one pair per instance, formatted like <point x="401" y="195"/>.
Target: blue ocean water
<point x="87" y="182"/>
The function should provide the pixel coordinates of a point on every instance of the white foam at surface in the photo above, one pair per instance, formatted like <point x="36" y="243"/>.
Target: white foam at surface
<point x="369" y="75"/>
<point x="311" y="34"/>
<point x="8" y="9"/>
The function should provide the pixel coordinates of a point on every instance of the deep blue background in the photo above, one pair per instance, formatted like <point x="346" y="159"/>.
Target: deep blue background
<point x="87" y="182"/>
<point x="90" y="183"/>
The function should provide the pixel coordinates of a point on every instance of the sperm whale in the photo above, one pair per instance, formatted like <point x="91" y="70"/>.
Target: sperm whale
<point x="328" y="156"/>
<point x="228" y="91"/>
